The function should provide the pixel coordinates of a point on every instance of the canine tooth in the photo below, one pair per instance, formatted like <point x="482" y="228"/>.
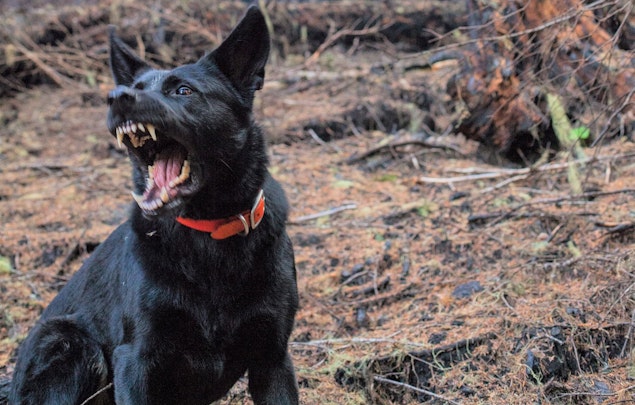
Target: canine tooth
<point x="165" y="197"/>
<point x="152" y="132"/>
<point x="138" y="198"/>
<point x="185" y="170"/>
<point x="119" y="137"/>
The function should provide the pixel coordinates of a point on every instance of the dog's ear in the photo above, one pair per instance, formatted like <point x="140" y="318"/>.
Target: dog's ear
<point x="243" y="55"/>
<point x="124" y="63"/>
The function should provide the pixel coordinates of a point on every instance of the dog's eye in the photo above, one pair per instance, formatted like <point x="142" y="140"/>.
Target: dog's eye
<point x="184" y="91"/>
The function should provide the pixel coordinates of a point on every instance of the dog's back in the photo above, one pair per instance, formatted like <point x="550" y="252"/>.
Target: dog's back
<point x="198" y="286"/>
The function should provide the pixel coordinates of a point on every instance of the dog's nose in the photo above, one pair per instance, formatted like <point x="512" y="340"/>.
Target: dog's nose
<point x="123" y="94"/>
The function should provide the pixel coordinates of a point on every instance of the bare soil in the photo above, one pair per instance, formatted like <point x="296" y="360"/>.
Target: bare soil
<point x="426" y="275"/>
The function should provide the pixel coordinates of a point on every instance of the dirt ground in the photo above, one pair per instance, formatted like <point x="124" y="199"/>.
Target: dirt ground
<point x="425" y="274"/>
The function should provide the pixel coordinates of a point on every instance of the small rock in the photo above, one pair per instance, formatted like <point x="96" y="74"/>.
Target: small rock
<point x="437" y="338"/>
<point x="361" y="318"/>
<point x="346" y="274"/>
<point x="602" y="389"/>
<point x="467" y="289"/>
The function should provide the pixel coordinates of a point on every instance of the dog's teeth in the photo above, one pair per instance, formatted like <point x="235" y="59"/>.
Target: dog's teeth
<point x="150" y="205"/>
<point x="138" y="198"/>
<point x="133" y="140"/>
<point x="153" y="205"/>
<point x="165" y="197"/>
<point x="150" y="179"/>
<point x="185" y="170"/>
<point x="185" y="174"/>
<point x="133" y="128"/>
<point x="152" y="132"/>
<point x="141" y="127"/>
<point x="119" y="137"/>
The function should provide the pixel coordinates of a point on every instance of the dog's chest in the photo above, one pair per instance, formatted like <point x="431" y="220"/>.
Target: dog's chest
<point x="216" y="322"/>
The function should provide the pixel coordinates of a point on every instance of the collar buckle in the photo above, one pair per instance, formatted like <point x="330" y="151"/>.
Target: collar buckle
<point x="257" y="213"/>
<point x="242" y="219"/>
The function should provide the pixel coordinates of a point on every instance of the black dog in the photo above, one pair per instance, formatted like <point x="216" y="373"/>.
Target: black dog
<point x="198" y="286"/>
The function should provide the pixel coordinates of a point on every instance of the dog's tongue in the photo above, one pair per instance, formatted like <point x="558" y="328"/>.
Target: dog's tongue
<point x="166" y="168"/>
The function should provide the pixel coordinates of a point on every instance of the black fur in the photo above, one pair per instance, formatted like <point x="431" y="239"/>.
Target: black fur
<point x="166" y="313"/>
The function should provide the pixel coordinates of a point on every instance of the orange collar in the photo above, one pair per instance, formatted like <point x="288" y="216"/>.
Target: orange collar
<point x="237" y="224"/>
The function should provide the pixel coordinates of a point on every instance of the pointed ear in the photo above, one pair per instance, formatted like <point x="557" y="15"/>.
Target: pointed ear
<point x="124" y="63"/>
<point x="243" y="55"/>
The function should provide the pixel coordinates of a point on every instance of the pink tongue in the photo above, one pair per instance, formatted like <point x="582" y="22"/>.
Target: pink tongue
<point x="167" y="167"/>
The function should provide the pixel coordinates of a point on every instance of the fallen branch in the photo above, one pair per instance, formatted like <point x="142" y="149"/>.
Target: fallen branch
<point x="37" y="61"/>
<point x="501" y="216"/>
<point x="335" y="36"/>
<point x="107" y="387"/>
<point x="320" y="214"/>
<point x="518" y="174"/>
<point x="351" y="341"/>
<point x="412" y="139"/>
<point x="413" y="388"/>
<point x="413" y="365"/>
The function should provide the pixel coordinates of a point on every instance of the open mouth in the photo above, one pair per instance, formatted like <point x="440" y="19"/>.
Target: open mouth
<point x="168" y="172"/>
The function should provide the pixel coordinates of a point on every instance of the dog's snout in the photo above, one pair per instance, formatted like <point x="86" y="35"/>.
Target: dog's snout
<point x="122" y="94"/>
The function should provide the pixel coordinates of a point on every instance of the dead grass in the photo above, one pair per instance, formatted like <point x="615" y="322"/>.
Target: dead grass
<point x="503" y="288"/>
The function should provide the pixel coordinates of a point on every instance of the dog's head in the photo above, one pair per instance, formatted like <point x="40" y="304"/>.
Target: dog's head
<point x="184" y="127"/>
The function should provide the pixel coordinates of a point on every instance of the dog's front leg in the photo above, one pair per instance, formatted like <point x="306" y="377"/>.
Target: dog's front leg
<point x="274" y="384"/>
<point x="130" y="388"/>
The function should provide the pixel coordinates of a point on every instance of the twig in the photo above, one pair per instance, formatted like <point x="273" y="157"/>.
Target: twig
<point x="620" y="228"/>
<point x="598" y="394"/>
<point x="107" y="387"/>
<point x="322" y="142"/>
<point x="413" y="388"/>
<point x="459" y="179"/>
<point x="614" y="303"/>
<point x="49" y="71"/>
<point x="325" y="213"/>
<point x="573" y="13"/>
<point x="495" y="173"/>
<point x="618" y="110"/>
<point x="414" y="139"/>
<point x="500" y="216"/>
<point x="504" y="183"/>
<point x="349" y="341"/>
<point x="628" y="335"/>
<point x="334" y="37"/>
<point x="373" y="289"/>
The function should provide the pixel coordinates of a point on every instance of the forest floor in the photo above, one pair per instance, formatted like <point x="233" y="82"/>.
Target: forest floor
<point x="425" y="274"/>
